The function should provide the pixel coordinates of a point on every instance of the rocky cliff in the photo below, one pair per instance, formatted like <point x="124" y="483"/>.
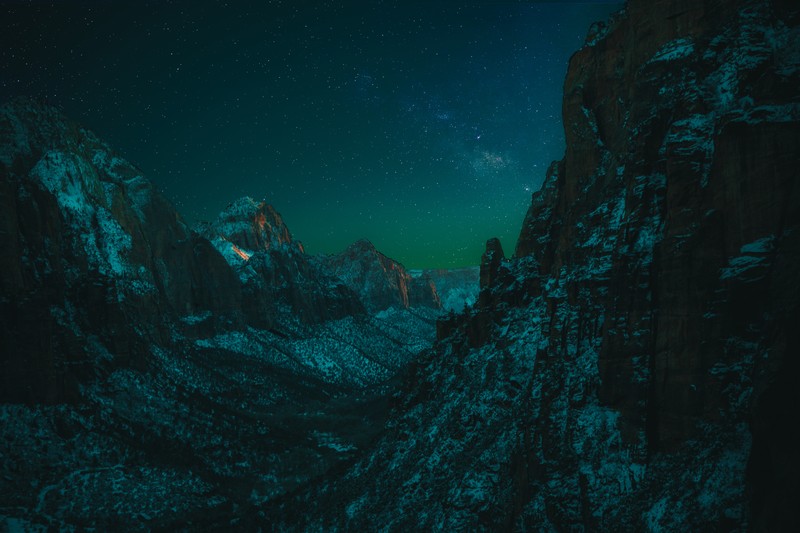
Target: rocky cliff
<point x="277" y="276"/>
<point x="632" y="367"/>
<point x="89" y="247"/>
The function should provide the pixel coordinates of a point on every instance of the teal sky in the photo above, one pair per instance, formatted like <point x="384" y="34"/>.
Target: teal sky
<point x="422" y="126"/>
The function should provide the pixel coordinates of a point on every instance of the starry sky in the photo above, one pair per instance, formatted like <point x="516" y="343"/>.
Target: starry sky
<point x="422" y="126"/>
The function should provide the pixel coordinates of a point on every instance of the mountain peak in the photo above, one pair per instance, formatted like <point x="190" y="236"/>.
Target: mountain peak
<point x="362" y="244"/>
<point x="382" y="281"/>
<point x="247" y="226"/>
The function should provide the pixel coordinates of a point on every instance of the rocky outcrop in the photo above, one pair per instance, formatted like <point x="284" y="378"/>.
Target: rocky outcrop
<point x="678" y="196"/>
<point x="380" y="281"/>
<point x="631" y="368"/>
<point x="89" y="247"/>
<point x="491" y="263"/>
<point x="249" y="227"/>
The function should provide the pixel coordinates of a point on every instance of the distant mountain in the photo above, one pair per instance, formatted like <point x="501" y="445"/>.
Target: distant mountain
<point x="456" y="287"/>
<point x="634" y="366"/>
<point x="382" y="282"/>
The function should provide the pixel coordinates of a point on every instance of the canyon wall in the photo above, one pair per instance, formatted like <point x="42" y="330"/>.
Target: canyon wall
<point x="633" y="367"/>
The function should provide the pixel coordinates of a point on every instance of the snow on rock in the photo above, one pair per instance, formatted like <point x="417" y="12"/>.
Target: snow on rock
<point x="250" y="226"/>
<point x="753" y="262"/>
<point x="674" y="50"/>
<point x="457" y="287"/>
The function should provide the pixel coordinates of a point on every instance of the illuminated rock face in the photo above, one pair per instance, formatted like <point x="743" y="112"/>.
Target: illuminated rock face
<point x="634" y="366"/>
<point x="274" y="269"/>
<point x="252" y="227"/>
<point x="276" y="275"/>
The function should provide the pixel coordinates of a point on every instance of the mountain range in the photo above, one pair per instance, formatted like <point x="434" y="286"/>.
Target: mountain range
<point x="629" y="367"/>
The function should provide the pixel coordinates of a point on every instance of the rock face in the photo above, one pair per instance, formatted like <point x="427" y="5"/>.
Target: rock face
<point x="88" y="248"/>
<point x="633" y="368"/>
<point x="679" y="191"/>
<point x="277" y="277"/>
<point x="382" y="282"/>
<point x="251" y="227"/>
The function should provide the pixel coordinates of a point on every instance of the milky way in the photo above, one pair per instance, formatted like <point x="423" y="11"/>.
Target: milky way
<point x="424" y="129"/>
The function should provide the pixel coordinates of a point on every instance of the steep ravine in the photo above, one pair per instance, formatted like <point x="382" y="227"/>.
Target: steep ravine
<point x="634" y="367"/>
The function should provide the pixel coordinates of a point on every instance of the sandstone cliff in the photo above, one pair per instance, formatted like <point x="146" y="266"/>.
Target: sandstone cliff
<point x="632" y="367"/>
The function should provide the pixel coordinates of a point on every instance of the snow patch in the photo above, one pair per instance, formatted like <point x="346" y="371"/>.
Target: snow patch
<point x="751" y="264"/>
<point x="81" y="198"/>
<point x="674" y="50"/>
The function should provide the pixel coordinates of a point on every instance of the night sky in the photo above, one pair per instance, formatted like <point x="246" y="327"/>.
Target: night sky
<point x="422" y="126"/>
